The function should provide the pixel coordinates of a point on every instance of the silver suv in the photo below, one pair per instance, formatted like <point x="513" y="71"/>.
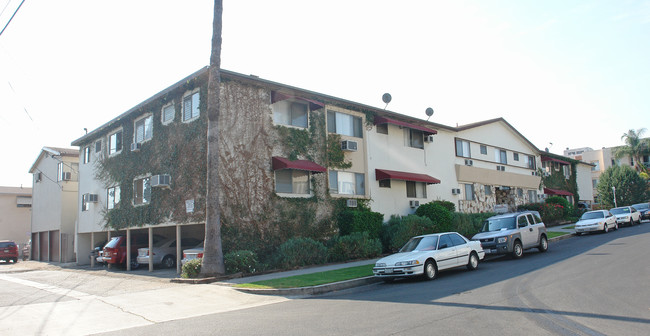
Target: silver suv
<point x="513" y="233"/>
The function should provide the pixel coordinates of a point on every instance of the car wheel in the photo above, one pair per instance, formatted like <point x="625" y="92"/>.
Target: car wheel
<point x="517" y="250"/>
<point x="615" y="226"/>
<point x="605" y="228"/>
<point x="134" y="263"/>
<point x="472" y="264"/>
<point x="430" y="270"/>
<point x="168" y="262"/>
<point x="543" y="244"/>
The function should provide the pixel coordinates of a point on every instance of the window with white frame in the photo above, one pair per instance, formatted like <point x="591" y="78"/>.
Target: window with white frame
<point x="567" y="171"/>
<point x="515" y="156"/>
<point x="115" y="142"/>
<point x="98" y="146"/>
<point x="416" y="189"/>
<point x="168" y="112"/>
<point x="143" y="129"/>
<point x="344" y="124"/>
<point x="463" y="149"/>
<point x="596" y="165"/>
<point x="60" y="174"/>
<point x="191" y="106"/>
<point x="488" y="190"/>
<point x="86" y="155"/>
<point x="112" y="197"/>
<point x="529" y="161"/>
<point x="469" y="192"/>
<point x="532" y="196"/>
<point x="345" y="183"/>
<point x="416" y="138"/>
<point x="500" y="156"/>
<point x="141" y="191"/>
<point x="484" y="149"/>
<point x="85" y="204"/>
<point x="290" y="113"/>
<point x="292" y="181"/>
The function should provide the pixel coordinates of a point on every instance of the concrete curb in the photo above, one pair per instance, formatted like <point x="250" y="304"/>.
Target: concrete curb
<point x="558" y="238"/>
<point x="312" y="290"/>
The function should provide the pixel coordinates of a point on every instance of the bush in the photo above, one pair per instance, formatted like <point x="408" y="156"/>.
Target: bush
<point x="438" y="214"/>
<point x="240" y="261"/>
<point x="357" y="245"/>
<point x="550" y="212"/>
<point x="447" y="205"/>
<point x="398" y="230"/>
<point x="469" y="224"/>
<point x="191" y="269"/>
<point x="350" y="221"/>
<point x="300" y="251"/>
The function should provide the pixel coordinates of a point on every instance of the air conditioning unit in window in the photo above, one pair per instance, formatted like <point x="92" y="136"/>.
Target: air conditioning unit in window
<point x="91" y="198"/>
<point x="414" y="204"/>
<point x="67" y="176"/>
<point x="469" y="162"/>
<point x="351" y="203"/>
<point x="135" y="147"/>
<point x="161" y="181"/>
<point x="455" y="191"/>
<point x="349" y="145"/>
<point x="428" y="138"/>
<point x="501" y="168"/>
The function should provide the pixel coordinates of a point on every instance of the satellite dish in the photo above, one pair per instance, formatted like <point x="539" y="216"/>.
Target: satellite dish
<point x="429" y="112"/>
<point x="386" y="98"/>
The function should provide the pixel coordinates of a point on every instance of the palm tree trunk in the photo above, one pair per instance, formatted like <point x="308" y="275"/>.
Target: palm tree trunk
<point x="213" y="253"/>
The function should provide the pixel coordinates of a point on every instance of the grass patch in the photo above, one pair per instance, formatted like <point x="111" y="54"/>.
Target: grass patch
<point x="313" y="279"/>
<point x="569" y="227"/>
<point x="553" y="234"/>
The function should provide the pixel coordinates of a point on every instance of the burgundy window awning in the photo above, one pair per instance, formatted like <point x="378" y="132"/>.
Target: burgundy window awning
<point x="549" y="191"/>
<point x="385" y="174"/>
<point x="279" y="96"/>
<point x="384" y="120"/>
<point x="550" y="159"/>
<point x="282" y="163"/>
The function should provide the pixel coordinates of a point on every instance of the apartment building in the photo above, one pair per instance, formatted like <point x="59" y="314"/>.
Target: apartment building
<point x="15" y="207"/>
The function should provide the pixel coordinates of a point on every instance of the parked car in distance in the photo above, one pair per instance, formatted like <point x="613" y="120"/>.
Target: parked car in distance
<point x="98" y="252"/>
<point x="27" y="250"/>
<point x="428" y="254"/>
<point x="193" y="253"/>
<point x="644" y="210"/>
<point x="626" y="215"/>
<point x="597" y="220"/>
<point x="513" y="233"/>
<point x="8" y="251"/>
<point x="115" y="250"/>
<point x="164" y="252"/>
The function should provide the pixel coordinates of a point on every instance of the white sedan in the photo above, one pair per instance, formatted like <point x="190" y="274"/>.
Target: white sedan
<point x="597" y="220"/>
<point x="428" y="254"/>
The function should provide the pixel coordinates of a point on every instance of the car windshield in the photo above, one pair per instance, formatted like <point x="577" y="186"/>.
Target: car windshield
<point x="620" y="211"/>
<point x="642" y="206"/>
<point x="6" y="244"/>
<point x="161" y="242"/>
<point x="592" y="215"/>
<point x="497" y="224"/>
<point x="113" y="242"/>
<point x="427" y="243"/>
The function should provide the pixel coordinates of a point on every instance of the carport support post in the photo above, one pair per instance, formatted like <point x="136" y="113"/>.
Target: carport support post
<point x="179" y="249"/>
<point x="128" y="249"/>
<point x="150" y="249"/>
<point x="108" y="236"/>
<point x="92" y="249"/>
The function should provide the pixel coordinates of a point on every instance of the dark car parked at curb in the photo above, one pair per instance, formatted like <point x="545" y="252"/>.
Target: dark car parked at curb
<point x="8" y="251"/>
<point x="115" y="250"/>
<point x="513" y="233"/>
<point x="644" y="209"/>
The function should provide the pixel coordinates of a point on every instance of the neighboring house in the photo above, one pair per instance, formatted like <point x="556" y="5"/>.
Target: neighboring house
<point x="290" y="160"/>
<point x="15" y="207"/>
<point x="54" y="204"/>
<point x="567" y="177"/>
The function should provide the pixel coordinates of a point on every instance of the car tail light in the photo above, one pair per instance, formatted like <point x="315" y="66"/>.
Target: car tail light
<point x="184" y="256"/>
<point x="200" y="255"/>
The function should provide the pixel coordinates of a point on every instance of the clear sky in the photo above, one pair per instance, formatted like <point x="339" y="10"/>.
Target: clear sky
<point x="564" y="73"/>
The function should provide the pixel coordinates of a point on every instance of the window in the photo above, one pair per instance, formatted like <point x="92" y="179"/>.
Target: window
<point x="384" y="183"/>
<point x="456" y="239"/>
<point x="522" y="221"/>
<point x="596" y="165"/>
<point x="86" y="154"/>
<point x="141" y="191"/>
<point x="529" y="161"/>
<point x="344" y="183"/>
<point x="469" y="192"/>
<point x="520" y="192"/>
<point x="191" y="107"/>
<point x="292" y="181"/>
<point x="344" y="124"/>
<point x="532" y="196"/>
<point x="445" y="242"/>
<point x="594" y="183"/>
<point x="143" y="129"/>
<point x="567" y="171"/>
<point x="416" y="189"/>
<point x="500" y="156"/>
<point x="84" y="202"/>
<point x="416" y="138"/>
<point x="382" y="128"/>
<point x="98" y="146"/>
<point x="59" y="173"/>
<point x="488" y="190"/>
<point x="112" y="197"/>
<point x="168" y="113"/>
<point x="290" y="113"/>
<point x="484" y="149"/>
<point x="515" y="156"/>
<point x="115" y="142"/>
<point x="462" y="148"/>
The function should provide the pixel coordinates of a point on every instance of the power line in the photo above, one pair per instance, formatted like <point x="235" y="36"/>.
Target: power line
<point x="12" y="17"/>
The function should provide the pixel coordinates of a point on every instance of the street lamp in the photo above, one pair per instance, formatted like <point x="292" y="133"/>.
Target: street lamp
<point x="614" y="190"/>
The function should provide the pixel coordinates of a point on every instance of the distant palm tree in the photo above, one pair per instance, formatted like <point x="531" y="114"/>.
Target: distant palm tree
<point x="635" y="147"/>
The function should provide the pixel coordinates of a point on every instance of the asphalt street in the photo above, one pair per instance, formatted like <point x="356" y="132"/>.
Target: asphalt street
<point x="589" y="285"/>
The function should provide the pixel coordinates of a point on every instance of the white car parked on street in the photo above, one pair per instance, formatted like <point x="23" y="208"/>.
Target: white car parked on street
<point x="597" y="220"/>
<point x="626" y="215"/>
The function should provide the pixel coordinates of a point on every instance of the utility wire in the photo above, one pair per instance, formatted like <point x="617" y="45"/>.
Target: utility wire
<point x="12" y="17"/>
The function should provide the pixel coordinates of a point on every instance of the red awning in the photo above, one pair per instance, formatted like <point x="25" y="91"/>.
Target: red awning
<point x="384" y="120"/>
<point x="384" y="174"/>
<point x="549" y="191"/>
<point x="282" y="163"/>
<point x="279" y="96"/>
<point x="547" y="159"/>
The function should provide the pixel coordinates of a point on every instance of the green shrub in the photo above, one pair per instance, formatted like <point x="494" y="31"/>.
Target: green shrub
<point x="300" y="251"/>
<point x="191" y="269"/>
<point x="240" y="261"/>
<point x="469" y="224"/>
<point x="357" y="245"/>
<point x="438" y="214"/>
<point x="398" y="230"/>
<point x="350" y="221"/>
<point x="447" y="205"/>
